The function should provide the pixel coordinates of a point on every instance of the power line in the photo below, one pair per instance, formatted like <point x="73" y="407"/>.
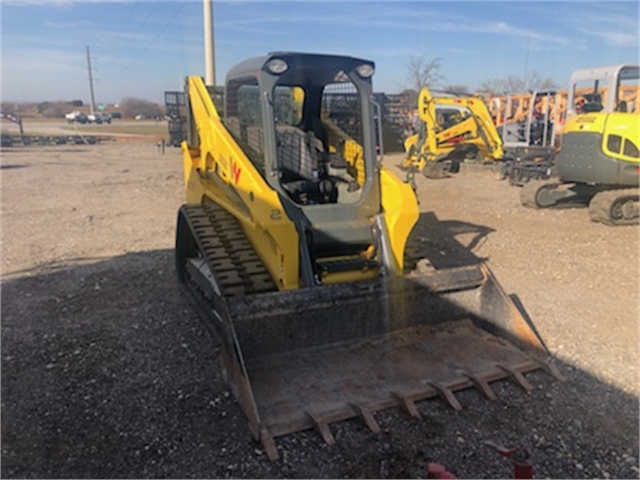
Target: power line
<point x="162" y="30"/>
<point x="125" y="24"/>
<point x="155" y="4"/>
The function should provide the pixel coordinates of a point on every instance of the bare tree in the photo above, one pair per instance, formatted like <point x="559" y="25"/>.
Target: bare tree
<point x="422" y="71"/>
<point x="132" y="106"/>
<point x="515" y="84"/>
<point x="54" y="109"/>
<point x="456" y="89"/>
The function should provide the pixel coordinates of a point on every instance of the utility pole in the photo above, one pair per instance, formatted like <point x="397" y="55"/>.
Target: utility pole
<point x="209" y="51"/>
<point x="93" y="100"/>
<point x="526" y="65"/>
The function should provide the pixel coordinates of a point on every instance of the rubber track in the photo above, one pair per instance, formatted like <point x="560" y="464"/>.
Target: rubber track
<point x="529" y="193"/>
<point x="234" y="262"/>
<point x="602" y="203"/>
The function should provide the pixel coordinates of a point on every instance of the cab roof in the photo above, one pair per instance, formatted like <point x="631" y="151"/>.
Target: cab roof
<point x="306" y="67"/>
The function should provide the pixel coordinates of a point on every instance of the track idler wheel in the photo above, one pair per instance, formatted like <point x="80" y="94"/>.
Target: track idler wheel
<point x="615" y="207"/>
<point x="434" y="170"/>
<point x="541" y="194"/>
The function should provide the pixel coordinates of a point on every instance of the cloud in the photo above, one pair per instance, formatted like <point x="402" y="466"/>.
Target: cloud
<point x="48" y="3"/>
<point x="67" y="3"/>
<point x="395" y="19"/>
<point x="42" y="73"/>
<point x="42" y="61"/>
<point x="614" y="38"/>
<point x="68" y="25"/>
<point x="616" y="23"/>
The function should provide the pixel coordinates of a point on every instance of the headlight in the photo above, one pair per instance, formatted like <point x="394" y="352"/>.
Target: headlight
<point x="365" y="70"/>
<point x="277" y="66"/>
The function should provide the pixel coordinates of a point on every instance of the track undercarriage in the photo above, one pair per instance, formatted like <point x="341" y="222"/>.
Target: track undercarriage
<point x="611" y="206"/>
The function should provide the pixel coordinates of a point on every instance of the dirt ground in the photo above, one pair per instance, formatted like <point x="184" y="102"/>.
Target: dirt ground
<point x="107" y="372"/>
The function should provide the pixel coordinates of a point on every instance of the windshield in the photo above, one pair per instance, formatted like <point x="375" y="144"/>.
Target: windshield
<point x="319" y="141"/>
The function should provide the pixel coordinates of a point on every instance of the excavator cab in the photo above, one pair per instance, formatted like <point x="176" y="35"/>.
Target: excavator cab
<point x="298" y="249"/>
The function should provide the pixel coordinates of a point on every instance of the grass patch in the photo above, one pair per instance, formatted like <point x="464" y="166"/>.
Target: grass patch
<point x="119" y="126"/>
<point x="156" y="129"/>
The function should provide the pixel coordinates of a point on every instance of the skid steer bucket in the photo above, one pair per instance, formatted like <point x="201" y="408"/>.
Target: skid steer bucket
<point x="304" y="359"/>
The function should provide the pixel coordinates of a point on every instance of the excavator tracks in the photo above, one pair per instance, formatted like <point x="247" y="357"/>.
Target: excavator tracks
<point x="615" y="207"/>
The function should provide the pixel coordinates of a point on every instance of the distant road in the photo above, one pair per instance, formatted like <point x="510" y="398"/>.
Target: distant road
<point x="118" y="128"/>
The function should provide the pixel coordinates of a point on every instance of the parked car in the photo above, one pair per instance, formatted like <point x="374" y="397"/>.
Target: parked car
<point x="77" y="117"/>
<point x="99" y="118"/>
<point x="103" y="118"/>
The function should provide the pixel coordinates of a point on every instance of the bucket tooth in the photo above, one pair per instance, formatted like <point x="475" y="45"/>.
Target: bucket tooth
<point x="516" y="376"/>
<point x="447" y="395"/>
<point x="551" y="369"/>
<point x="367" y="416"/>
<point x="269" y="444"/>
<point x="322" y="426"/>
<point x="481" y="384"/>
<point x="407" y="404"/>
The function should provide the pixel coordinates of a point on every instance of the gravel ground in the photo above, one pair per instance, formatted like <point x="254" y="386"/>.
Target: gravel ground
<point x="107" y="372"/>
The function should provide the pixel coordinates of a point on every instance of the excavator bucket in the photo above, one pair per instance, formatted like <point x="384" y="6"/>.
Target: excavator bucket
<point x="306" y="358"/>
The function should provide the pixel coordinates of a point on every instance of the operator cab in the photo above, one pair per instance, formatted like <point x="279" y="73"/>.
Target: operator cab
<point x="300" y="117"/>
<point x="603" y="89"/>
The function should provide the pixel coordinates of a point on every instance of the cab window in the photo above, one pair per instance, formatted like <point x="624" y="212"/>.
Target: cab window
<point x="630" y="149"/>
<point x="614" y="143"/>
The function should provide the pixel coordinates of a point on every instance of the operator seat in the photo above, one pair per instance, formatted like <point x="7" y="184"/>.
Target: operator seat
<point x="296" y="158"/>
<point x="299" y="162"/>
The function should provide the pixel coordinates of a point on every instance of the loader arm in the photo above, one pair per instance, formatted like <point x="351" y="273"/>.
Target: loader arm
<point x="217" y="170"/>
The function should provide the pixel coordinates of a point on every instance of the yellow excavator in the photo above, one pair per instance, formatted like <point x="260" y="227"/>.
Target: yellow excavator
<point x="295" y="246"/>
<point x="599" y="161"/>
<point x="453" y="129"/>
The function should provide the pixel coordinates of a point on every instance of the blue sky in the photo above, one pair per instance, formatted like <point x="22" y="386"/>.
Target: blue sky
<point x="146" y="47"/>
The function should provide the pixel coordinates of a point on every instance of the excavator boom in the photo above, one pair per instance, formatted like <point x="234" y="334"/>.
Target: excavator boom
<point x="453" y="129"/>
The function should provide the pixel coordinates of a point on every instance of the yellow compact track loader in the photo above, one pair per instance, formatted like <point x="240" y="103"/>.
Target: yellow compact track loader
<point x="452" y="130"/>
<point x="295" y="248"/>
